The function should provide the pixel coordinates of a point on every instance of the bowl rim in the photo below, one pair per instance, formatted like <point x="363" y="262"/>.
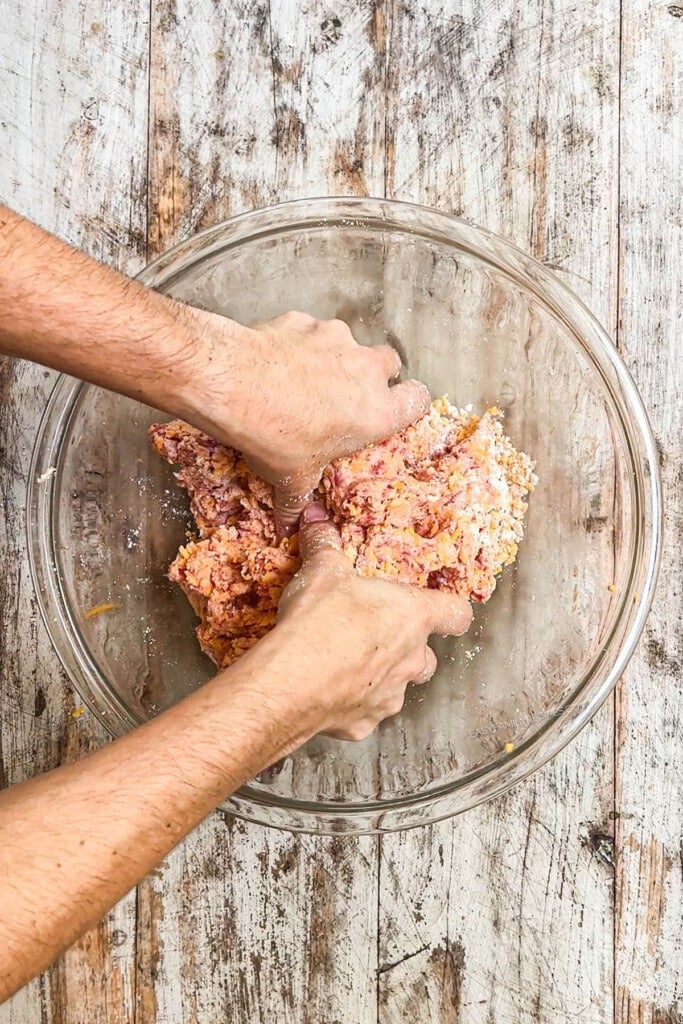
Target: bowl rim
<point x="433" y="804"/>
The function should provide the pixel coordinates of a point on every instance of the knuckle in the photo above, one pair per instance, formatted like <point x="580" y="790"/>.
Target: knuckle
<point x="339" y="327"/>
<point x="359" y="732"/>
<point x="390" y="359"/>
<point x="379" y="358"/>
<point x="417" y="666"/>
<point x="297" y="318"/>
<point x="355" y="361"/>
<point x="396" y="706"/>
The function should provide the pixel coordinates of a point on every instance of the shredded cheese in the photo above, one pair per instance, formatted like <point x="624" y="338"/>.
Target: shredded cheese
<point x="99" y="609"/>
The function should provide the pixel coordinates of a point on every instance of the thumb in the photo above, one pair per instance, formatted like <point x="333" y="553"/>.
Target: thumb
<point x="317" y="532"/>
<point x="287" y="510"/>
<point x="410" y="400"/>
<point x="449" y="614"/>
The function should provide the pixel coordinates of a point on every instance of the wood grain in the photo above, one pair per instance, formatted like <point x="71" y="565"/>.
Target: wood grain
<point x="505" y="914"/>
<point x="74" y="90"/>
<point x="329" y="89"/>
<point x="242" y="924"/>
<point x="561" y="900"/>
<point x="212" y="123"/>
<point x="245" y="922"/>
<point x="649" y="784"/>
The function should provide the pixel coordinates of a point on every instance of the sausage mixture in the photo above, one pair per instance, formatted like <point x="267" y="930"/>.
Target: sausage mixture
<point x="438" y="505"/>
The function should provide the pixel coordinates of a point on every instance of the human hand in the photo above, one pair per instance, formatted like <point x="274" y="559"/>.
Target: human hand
<point x="295" y="393"/>
<point x="372" y="631"/>
<point x="291" y="394"/>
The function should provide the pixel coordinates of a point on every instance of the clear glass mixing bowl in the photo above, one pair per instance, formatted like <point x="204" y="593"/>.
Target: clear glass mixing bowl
<point x="473" y="317"/>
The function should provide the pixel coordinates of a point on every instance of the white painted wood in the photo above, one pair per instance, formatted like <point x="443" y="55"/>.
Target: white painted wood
<point x="243" y="922"/>
<point x="212" y="123"/>
<point x="649" y="782"/>
<point x="248" y="925"/>
<point x="508" y="116"/>
<point x="329" y="95"/>
<point x="73" y="82"/>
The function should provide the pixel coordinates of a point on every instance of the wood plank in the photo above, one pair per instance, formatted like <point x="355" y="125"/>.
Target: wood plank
<point x="252" y="103"/>
<point x="74" y="159"/>
<point x="248" y="924"/>
<point x="649" y="785"/>
<point x="329" y="76"/>
<point x="212" y="124"/>
<point x="504" y="914"/>
<point x="508" y="116"/>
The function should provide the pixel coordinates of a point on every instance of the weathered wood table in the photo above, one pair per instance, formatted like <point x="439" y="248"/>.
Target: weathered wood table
<point x="126" y="126"/>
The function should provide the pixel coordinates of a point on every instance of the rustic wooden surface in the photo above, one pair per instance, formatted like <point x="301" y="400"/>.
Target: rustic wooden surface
<point x="556" y="123"/>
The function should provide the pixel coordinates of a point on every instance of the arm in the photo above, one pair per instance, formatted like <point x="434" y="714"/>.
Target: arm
<point x="74" y="841"/>
<point x="291" y="394"/>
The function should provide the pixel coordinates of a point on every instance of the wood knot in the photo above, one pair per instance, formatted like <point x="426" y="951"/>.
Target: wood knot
<point x="601" y="844"/>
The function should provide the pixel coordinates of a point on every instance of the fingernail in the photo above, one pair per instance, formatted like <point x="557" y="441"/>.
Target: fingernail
<point x="314" y="513"/>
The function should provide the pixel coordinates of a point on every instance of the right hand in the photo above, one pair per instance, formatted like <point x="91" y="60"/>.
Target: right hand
<point x="293" y="394"/>
<point x="374" y="633"/>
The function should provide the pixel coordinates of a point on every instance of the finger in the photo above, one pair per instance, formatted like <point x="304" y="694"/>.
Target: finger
<point x="429" y="669"/>
<point x="409" y="400"/>
<point x="287" y="509"/>
<point x="396" y="705"/>
<point x="448" y="614"/>
<point x="317" y="533"/>
<point x="390" y="359"/>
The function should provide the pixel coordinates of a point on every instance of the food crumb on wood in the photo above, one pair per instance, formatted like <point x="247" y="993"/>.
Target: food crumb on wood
<point x="611" y="587"/>
<point x="99" y="609"/>
<point x="509" y="747"/>
<point x="77" y="712"/>
<point x="50" y="471"/>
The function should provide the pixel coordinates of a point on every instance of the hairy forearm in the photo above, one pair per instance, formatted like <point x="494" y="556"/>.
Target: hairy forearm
<point x="60" y="308"/>
<point x="74" y="841"/>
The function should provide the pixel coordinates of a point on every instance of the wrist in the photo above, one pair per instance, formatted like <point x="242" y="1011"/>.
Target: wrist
<point x="290" y="681"/>
<point x="219" y="380"/>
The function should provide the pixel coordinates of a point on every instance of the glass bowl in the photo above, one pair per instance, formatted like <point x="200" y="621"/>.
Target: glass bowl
<point x="474" y="318"/>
